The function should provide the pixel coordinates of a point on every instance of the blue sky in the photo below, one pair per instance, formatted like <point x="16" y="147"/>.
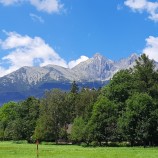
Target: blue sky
<point x="66" y="32"/>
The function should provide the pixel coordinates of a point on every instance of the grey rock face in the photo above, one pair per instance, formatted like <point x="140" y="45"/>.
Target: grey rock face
<point x="29" y="79"/>
<point x="97" y="68"/>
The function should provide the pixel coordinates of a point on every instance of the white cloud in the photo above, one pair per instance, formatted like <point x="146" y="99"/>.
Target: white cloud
<point x="49" y="6"/>
<point x="144" y="5"/>
<point x="27" y="51"/>
<point x="15" y="40"/>
<point x="151" y="48"/>
<point x="136" y="4"/>
<point x="73" y="63"/>
<point x="35" y="17"/>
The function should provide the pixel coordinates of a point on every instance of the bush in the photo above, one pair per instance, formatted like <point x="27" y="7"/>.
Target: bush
<point x="124" y="144"/>
<point x="118" y="144"/>
<point x="84" y="145"/>
<point x="94" y="144"/>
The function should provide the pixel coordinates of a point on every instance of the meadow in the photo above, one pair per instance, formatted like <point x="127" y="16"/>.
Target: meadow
<point x="14" y="150"/>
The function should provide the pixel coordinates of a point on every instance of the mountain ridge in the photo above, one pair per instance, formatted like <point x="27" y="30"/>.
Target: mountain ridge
<point x="34" y="80"/>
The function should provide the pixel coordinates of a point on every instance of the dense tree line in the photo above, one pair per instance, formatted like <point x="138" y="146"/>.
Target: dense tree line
<point x="18" y="120"/>
<point x="46" y="119"/>
<point x="125" y="110"/>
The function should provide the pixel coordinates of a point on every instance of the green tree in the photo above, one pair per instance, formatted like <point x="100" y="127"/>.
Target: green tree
<point x="52" y="116"/>
<point x="84" y="103"/>
<point x="8" y="113"/>
<point x="78" y="130"/>
<point x="29" y="113"/>
<point x="74" y="88"/>
<point x="135" y="122"/>
<point x="103" y="120"/>
<point x="70" y="106"/>
<point x="146" y="77"/>
<point x="120" y="88"/>
<point x="13" y="130"/>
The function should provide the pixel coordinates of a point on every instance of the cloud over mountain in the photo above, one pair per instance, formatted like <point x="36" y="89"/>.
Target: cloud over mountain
<point x="23" y="50"/>
<point x="151" y="48"/>
<point x="73" y="63"/>
<point x="27" y="51"/>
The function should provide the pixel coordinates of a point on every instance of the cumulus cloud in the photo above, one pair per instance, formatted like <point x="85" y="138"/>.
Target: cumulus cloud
<point x="73" y="63"/>
<point x="48" y="6"/>
<point x="144" y="5"/>
<point x="136" y="4"/>
<point x="151" y="48"/>
<point x="35" y="17"/>
<point x="27" y="51"/>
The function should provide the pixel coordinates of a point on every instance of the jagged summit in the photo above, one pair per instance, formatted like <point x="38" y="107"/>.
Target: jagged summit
<point x="97" y="68"/>
<point x="92" y="69"/>
<point x="134" y="55"/>
<point x="98" y="56"/>
<point x="126" y="63"/>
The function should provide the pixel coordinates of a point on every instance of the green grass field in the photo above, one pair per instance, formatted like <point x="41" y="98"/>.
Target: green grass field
<point x="13" y="150"/>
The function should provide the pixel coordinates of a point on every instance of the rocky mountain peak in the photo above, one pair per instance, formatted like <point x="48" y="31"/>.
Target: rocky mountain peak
<point x="99" y="57"/>
<point x="30" y="80"/>
<point x="133" y="57"/>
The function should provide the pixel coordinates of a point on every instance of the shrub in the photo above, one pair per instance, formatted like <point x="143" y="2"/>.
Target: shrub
<point x="84" y="144"/>
<point x="94" y="144"/>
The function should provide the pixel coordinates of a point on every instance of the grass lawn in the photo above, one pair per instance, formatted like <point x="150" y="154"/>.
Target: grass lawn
<point x="13" y="150"/>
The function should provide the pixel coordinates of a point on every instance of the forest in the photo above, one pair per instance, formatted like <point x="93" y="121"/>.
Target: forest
<point x="123" y="111"/>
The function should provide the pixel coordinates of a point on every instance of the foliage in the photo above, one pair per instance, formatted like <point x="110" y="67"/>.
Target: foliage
<point x="74" y="88"/>
<point x="52" y="116"/>
<point x="8" y="113"/>
<point x="78" y="130"/>
<point x="120" y="87"/>
<point x="136" y="121"/>
<point x="126" y="110"/>
<point x="103" y="121"/>
<point x="18" y="120"/>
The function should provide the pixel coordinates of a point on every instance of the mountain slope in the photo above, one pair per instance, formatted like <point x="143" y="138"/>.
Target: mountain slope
<point x="95" y="69"/>
<point x="34" y="80"/>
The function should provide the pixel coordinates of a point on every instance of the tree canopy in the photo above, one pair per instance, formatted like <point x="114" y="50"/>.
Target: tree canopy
<point x="125" y="110"/>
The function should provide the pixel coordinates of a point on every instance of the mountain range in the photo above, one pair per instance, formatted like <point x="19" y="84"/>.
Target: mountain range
<point x="33" y="81"/>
